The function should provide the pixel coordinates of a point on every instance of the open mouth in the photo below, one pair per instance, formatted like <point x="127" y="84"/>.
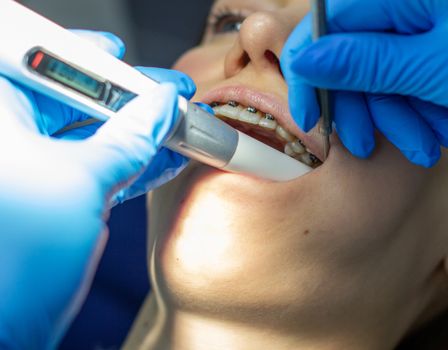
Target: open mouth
<point x="266" y="128"/>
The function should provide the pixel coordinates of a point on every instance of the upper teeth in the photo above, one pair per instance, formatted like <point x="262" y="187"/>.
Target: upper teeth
<point x="228" y="111"/>
<point x="251" y="115"/>
<point x="268" y="122"/>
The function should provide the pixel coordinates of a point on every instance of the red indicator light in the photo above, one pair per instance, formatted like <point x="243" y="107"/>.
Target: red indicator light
<point x="37" y="60"/>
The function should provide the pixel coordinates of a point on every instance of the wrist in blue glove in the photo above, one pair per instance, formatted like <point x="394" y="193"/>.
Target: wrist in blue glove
<point x="55" y="195"/>
<point x="386" y="62"/>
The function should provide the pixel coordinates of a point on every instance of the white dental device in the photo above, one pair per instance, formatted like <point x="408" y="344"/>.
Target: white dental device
<point x="49" y="59"/>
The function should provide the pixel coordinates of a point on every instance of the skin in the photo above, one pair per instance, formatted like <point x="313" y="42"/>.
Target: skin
<point x="350" y="256"/>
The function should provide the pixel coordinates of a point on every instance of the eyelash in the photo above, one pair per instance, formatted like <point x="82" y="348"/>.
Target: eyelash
<point x="224" y="16"/>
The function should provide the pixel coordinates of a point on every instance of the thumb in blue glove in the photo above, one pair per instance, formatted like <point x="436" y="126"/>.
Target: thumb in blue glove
<point x="393" y="47"/>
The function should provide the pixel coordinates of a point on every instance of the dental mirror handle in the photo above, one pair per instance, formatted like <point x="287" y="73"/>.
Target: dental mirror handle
<point x="320" y="28"/>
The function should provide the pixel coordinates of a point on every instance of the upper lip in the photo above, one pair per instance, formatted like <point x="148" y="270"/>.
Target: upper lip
<point x="267" y="103"/>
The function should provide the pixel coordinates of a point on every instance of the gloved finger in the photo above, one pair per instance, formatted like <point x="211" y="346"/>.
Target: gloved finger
<point x="122" y="148"/>
<point x="404" y="128"/>
<point x="303" y="104"/>
<point x="54" y="115"/>
<point x="405" y="17"/>
<point x="353" y="123"/>
<point x="16" y="106"/>
<point x="184" y="83"/>
<point x="301" y="97"/>
<point x="80" y="133"/>
<point x="375" y="63"/>
<point x="104" y="40"/>
<point x="164" y="167"/>
<point x="435" y="116"/>
<point x="206" y="107"/>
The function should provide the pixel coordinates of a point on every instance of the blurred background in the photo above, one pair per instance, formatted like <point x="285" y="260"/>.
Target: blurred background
<point x="155" y="33"/>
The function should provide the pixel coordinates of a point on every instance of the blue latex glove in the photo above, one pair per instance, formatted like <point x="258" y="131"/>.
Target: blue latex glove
<point x="166" y="164"/>
<point x="54" y="199"/>
<point x="51" y="116"/>
<point x="387" y="61"/>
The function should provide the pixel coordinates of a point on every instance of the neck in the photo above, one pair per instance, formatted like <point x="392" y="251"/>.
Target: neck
<point x="158" y="329"/>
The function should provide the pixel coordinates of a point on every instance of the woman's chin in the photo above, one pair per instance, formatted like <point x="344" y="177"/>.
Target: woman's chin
<point x="225" y="241"/>
<point x="223" y="228"/>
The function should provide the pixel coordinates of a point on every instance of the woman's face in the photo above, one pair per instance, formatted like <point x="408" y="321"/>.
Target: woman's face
<point x="346" y="243"/>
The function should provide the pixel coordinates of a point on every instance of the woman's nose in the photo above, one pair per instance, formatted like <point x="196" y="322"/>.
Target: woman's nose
<point x="259" y="43"/>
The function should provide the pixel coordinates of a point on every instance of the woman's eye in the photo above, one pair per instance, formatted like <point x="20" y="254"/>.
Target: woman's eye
<point x="227" y="23"/>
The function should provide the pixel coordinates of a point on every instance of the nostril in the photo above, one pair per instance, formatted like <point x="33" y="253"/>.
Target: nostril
<point x="244" y="60"/>
<point x="273" y="59"/>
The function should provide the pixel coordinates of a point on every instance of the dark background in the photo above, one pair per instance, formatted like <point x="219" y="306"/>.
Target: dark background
<point x="156" y="33"/>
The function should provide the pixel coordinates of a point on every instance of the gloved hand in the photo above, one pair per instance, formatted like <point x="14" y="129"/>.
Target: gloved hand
<point x="54" y="199"/>
<point x="387" y="61"/>
<point x="50" y="116"/>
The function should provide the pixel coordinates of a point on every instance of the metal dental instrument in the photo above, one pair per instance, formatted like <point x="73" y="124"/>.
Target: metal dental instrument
<point x="46" y="58"/>
<point x="319" y="12"/>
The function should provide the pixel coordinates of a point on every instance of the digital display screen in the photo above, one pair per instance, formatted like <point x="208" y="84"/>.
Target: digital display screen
<point x="66" y="74"/>
<point x="72" y="77"/>
<point x="105" y="93"/>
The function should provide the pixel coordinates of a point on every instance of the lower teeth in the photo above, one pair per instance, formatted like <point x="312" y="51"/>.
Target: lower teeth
<point x="284" y="134"/>
<point x="249" y="117"/>
<point x="297" y="147"/>
<point x="305" y="158"/>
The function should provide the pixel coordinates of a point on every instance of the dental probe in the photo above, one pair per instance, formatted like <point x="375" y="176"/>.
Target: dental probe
<point x="319" y="11"/>
<point x="45" y="57"/>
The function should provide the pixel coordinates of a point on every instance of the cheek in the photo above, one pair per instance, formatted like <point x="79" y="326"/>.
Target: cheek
<point x="368" y="199"/>
<point x="204" y="64"/>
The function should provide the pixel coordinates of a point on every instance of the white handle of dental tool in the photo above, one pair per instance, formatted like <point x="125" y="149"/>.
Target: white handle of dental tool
<point x="198" y="134"/>
<point x="254" y="157"/>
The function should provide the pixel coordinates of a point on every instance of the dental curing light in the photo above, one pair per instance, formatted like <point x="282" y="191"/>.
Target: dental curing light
<point x="47" y="58"/>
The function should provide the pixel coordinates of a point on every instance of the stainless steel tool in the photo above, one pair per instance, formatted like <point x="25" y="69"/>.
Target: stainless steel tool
<point x="319" y="12"/>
